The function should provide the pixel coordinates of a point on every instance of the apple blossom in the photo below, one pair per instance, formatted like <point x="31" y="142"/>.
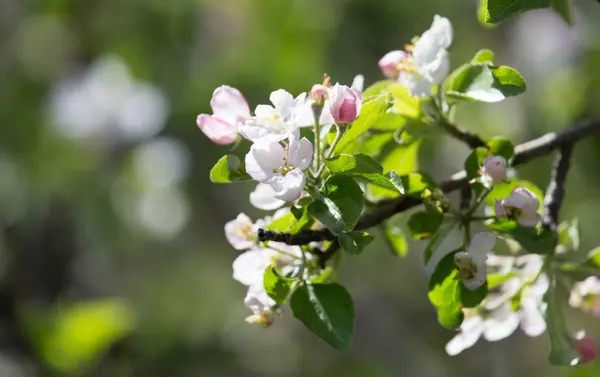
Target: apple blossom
<point x="242" y="232"/>
<point x="261" y="305"/>
<point x="263" y="198"/>
<point x="268" y="162"/>
<point x="229" y="109"/>
<point x="586" y="295"/>
<point x="471" y="263"/>
<point x="344" y="103"/>
<point x="493" y="170"/>
<point x="249" y="267"/>
<point x="521" y="205"/>
<point x="423" y="64"/>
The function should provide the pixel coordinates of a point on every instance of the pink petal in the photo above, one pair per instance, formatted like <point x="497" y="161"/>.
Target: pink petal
<point x="217" y="130"/>
<point x="229" y="104"/>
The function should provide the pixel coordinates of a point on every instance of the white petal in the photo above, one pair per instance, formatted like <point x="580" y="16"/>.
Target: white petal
<point x="249" y="267"/>
<point x="288" y="188"/>
<point x="217" y="130"/>
<point x="478" y="280"/>
<point x="264" y="157"/>
<point x="470" y="332"/>
<point x="499" y="209"/>
<point x="500" y="324"/>
<point x="442" y="28"/>
<point x="417" y="85"/>
<point x="529" y="221"/>
<point x="481" y="244"/>
<point x="283" y="102"/>
<point x="237" y="232"/>
<point x="258" y="300"/>
<point x="300" y="153"/>
<point x="229" y="104"/>
<point x="262" y="198"/>
<point x="532" y="320"/>
<point x="358" y="82"/>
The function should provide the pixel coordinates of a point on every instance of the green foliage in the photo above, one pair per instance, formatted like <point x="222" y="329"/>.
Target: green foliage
<point x="276" y="286"/>
<point x="563" y="7"/>
<point x="354" y="242"/>
<point x="412" y="184"/>
<point x="472" y="298"/>
<point x="370" y="113"/>
<point x="340" y="206"/>
<point x="503" y="190"/>
<point x="474" y="162"/>
<point x="484" y="82"/>
<point x="75" y="336"/>
<point x="395" y="239"/>
<point x="438" y="237"/>
<point x="497" y="11"/>
<point x="496" y="280"/>
<point x="562" y="352"/>
<point x="445" y="293"/>
<point x="423" y="225"/>
<point x="501" y="146"/>
<point x="568" y="237"/>
<point x="229" y="169"/>
<point x="360" y="166"/>
<point x="483" y="56"/>
<point x="296" y="220"/>
<point x="376" y="89"/>
<point x="535" y="240"/>
<point x="327" y="311"/>
<point x="404" y="103"/>
<point x="402" y="160"/>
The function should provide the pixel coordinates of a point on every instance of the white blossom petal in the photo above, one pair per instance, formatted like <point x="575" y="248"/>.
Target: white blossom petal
<point x="300" y="152"/>
<point x="480" y="246"/>
<point x="470" y="332"/>
<point x="263" y="159"/>
<point x="239" y="232"/>
<point x="288" y="187"/>
<point x="229" y="104"/>
<point x="263" y="198"/>
<point x="258" y="300"/>
<point x="532" y="319"/>
<point x="283" y="102"/>
<point x="217" y="130"/>
<point x="500" y="323"/>
<point x="249" y="267"/>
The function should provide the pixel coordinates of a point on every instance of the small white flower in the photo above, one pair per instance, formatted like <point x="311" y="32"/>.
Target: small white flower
<point x="426" y="63"/>
<point x="471" y="263"/>
<point x="242" y="232"/>
<point x="268" y="162"/>
<point x="522" y="206"/>
<point x="263" y="198"/>
<point x="586" y="295"/>
<point x="261" y="304"/>
<point x="493" y="170"/>
<point x="249" y="267"/>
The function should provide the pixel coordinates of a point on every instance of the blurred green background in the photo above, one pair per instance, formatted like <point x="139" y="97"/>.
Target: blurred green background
<point x="113" y="260"/>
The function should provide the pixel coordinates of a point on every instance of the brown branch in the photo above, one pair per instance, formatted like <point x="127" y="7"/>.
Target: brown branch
<point x="387" y="208"/>
<point x="555" y="192"/>
<point x="469" y="138"/>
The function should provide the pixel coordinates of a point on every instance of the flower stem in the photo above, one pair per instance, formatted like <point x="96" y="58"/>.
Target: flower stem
<point x="317" y="159"/>
<point x="330" y="151"/>
<point x="478" y="202"/>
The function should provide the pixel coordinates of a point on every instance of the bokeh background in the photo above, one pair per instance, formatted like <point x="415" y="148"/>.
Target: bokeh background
<point x="113" y="260"/>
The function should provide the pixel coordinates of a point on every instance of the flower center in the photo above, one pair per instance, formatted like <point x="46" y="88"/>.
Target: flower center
<point x="284" y="169"/>
<point x="467" y="270"/>
<point x="513" y="213"/>
<point x="245" y="231"/>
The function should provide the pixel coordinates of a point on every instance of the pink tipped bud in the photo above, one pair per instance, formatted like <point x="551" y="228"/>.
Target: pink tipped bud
<point x="586" y="347"/>
<point x="493" y="170"/>
<point x="345" y="103"/>
<point x="388" y="64"/>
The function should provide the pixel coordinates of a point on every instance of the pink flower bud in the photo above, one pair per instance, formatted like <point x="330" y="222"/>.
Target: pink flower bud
<point x="587" y="349"/>
<point x="344" y="103"/>
<point x="388" y="64"/>
<point x="319" y="93"/>
<point x="493" y="170"/>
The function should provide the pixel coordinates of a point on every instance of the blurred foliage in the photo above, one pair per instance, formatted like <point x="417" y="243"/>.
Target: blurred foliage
<point x="105" y="190"/>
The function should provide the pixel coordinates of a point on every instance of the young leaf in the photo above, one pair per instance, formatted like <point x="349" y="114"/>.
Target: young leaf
<point x="276" y="286"/>
<point x="395" y="239"/>
<point x="483" y="56"/>
<point x="474" y="162"/>
<point x="360" y="166"/>
<point x="412" y="184"/>
<point x="378" y="88"/>
<point x="290" y="223"/>
<point x="229" y="169"/>
<point x="341" y="205"/>
<point x="485" y="83"/>
<point x="369" y="114"/>
<point x="562" y="351"/>
<point x="501" y="146"/>
<point x="563" y="8"/>
<point x="497" y="11"/>
<point x="534" y="240"/>
<point x="327" y="311"/>
<point x="354" y="242"/>
<point x="404" y="103"/>
<point x="471" y="299"/>
<point x="445" y="293"/>
<point x="496" y="280"/>
<point x="424" y="224"/>
<point x="502" y="190"/>
<point x="568" y="237"/>
<point x="438" y="237"/>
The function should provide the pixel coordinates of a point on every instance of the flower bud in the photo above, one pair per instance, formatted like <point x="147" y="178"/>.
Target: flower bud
<point x="390" y="61"/>
<point x="344" y="103"/>
<point x="522" y="206"/>
<point x="493" y="170"/>
<point x="586" y="347"/>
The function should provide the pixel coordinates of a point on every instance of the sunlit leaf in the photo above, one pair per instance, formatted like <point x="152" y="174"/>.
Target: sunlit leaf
<point x="229" y="169"/>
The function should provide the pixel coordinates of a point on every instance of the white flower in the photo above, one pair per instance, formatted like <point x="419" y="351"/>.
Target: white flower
<point x="493" y="170"/>
<point x="522" y="206"/>
<point x="268" y="162"/>
<point x="229" y="109"/>
<point x="261" y="304"/>
<point x="586" y="295"/>
<point x="249" y="267"/>
<point x="277" y="122"/>
<point x="263" y="198"/>
<point x="242" y="232"/>
<point x="495" y="318"/>
<point x="471" y="263"/>
<point x="426" y="63"/>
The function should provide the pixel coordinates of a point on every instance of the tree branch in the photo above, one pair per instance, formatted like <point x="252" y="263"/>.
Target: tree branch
<point x="471" y="139"/>
<point x="555" y="192"/>
<point x="389" y="207"/>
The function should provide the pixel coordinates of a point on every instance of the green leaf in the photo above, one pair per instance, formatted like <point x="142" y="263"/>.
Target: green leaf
<point x="423" y="225"/>
<point x="412" y="184"/>
<point x="471" y="299"/>
<point x="276" y="286"/>
<point x="390" y="121"/>
<point x="403" y="160"/>
<point x="290" y="223"/>
<point x="497" y="11"/>
<point x="354" y="242"/>
<point x="496" y="280"/>
<point x="438" y="237"/>
<point x="568" y="237"/>
<point x="501" y="146"/>
<point x="563" y="7"/>
<point x="341" y="205"/>
<point x="327" y="311"/>
<point x="535" y="240"/>
<point x="229" y="169"/>
<point x="376" y="89"/>
<point x="395" y="239"/>
<point x="502" y="190"/>
<point x="594" y="256"/>
<point x="474" y="162"/>
<point x="404" y="103"/>
<point x="73" y="337"/>
<point x="360" y="166"/>
<point x="562" y="351"/>
<point x="369" y="114"/>
<point x="445" y="293"/>
<point x="483" y="56"/>
<point x="485" y="83"/>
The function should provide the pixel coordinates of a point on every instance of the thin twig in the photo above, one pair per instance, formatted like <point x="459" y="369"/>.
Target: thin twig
<point x="385" y="209"/>
<point x="555" y="192"/>
<point x="469" y="138"/>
